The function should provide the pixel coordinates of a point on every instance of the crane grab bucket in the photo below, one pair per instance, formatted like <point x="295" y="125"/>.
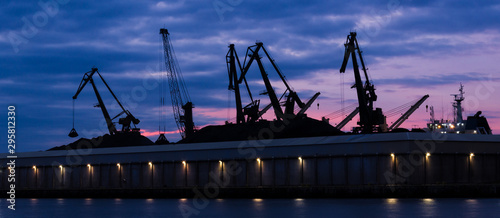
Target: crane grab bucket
<point x="73" y="133"/>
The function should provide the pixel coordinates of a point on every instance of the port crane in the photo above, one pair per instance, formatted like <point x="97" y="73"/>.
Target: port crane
<point x="124" y="121"/>
<point x="181" y="103"/>
<point x="370" y="120"/>
<point x="252" y="110"/>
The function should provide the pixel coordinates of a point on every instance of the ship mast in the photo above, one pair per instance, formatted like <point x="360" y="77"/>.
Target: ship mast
<point x="457" y="105"/>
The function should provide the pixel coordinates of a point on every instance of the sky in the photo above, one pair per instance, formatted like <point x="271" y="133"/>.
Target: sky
<point x="411" y="48"/>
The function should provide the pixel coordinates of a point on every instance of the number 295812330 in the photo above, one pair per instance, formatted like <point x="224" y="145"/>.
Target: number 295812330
<point x="11" y="129"/>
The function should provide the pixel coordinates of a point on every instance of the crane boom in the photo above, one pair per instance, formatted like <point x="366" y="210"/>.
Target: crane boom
<point x="231" y="58"/>
<point x="308" y="104"/>
<point x="181" y="103"/>
<point x="270" y="91"/>
<point x="109" y="122"/>
<point x="408" y="113"/>
<point x="347" y="119"/>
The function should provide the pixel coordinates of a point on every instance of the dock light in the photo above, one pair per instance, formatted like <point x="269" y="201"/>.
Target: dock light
<point x="150" y="164"/>
<point x="300" y="158"/>
<point x="392" y="155"/>
<point x="220" y="162"/>
<point x="428" y="154"/>
<point x="184" y="162"/>
<point x="34" y="167"/>
<point x="60" y="166"/>
<point x="118" y="164"/>
<point x="88" y="165"/>
<point x="471" y="155"/>
<point x="258" y="160"/>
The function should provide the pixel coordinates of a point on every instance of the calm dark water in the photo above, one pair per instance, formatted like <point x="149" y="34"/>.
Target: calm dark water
<point x="274" y="208"/>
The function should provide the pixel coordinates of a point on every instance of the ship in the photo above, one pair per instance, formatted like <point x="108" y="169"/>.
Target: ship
<point x="475" y="124"/>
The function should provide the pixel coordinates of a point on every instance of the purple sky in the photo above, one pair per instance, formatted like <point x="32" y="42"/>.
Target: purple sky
<point x="411" y="48"/>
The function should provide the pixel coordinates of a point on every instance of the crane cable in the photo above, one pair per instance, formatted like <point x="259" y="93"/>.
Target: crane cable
<point x="228" y="105"/>
<point x="161" y="90"/>
<point x="73" y="132"/>
<point x="399" y="110"/>
<point x="341" y="112"/>
<point x="159" y="94"/>
<point x="342" y="96"/>
<point x="73" y="113"/>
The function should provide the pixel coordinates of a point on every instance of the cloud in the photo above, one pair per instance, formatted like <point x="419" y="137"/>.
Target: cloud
<point x="410" y="47"/>
<point x="419" y="81"/>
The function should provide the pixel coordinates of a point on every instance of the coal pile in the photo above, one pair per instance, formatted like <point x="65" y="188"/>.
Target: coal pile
<point x="107" y="141"/>
<point x="263" y="129"/>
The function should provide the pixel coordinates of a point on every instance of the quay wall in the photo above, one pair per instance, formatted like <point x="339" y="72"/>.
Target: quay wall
<point x="380" y="164"/>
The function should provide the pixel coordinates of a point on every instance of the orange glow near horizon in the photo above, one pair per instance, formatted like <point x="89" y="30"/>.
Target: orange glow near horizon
<point x="148" y="133"/>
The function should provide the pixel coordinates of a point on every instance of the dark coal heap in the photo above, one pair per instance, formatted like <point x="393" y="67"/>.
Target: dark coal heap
<point x="263" y="129"/>
<point x="107" y="141"/>
<point x="305" y="127"/>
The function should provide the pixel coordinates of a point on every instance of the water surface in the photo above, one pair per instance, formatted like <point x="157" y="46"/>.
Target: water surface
<point x="273" y="208"/>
